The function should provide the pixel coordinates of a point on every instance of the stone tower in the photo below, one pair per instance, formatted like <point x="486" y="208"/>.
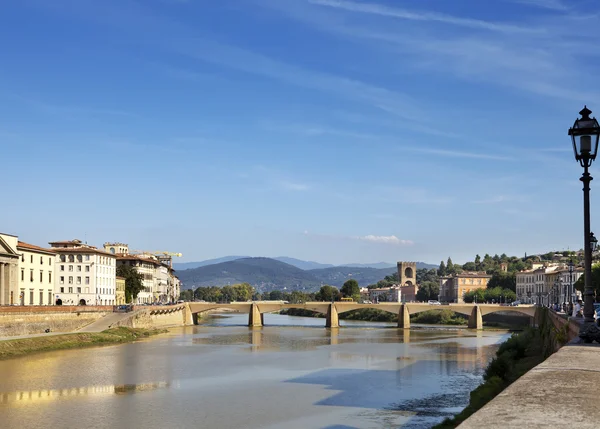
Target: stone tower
<point x="407" y="273"/>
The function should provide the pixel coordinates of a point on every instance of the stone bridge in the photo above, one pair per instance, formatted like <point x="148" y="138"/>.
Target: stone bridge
<point x="332" y="311"/>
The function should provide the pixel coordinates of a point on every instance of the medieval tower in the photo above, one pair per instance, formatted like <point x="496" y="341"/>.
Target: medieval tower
<point x="407" y="273"/>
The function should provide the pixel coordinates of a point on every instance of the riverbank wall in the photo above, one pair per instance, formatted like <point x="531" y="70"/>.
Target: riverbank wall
<point x="153" y="317"/>
<point x="28" y="320"/>
<point x="560" y="390"/>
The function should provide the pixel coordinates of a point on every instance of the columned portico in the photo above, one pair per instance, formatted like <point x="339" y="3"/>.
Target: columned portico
<point x="8" y="279"/>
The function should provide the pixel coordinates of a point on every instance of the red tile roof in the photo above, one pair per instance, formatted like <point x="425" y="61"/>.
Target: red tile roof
<point x="27" y="246"/>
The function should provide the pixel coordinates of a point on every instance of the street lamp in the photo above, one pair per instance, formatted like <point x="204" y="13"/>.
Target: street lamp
<point x="571" y="269"/>
<point x="585" y="134"/>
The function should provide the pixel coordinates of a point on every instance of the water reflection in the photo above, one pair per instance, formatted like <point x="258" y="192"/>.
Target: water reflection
<point x="231" y="376"/>
<point x="44" y="395"/>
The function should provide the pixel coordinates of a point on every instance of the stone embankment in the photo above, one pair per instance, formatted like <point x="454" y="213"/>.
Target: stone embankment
<point x="561" y="391"/>
<point x="17" y="320"/>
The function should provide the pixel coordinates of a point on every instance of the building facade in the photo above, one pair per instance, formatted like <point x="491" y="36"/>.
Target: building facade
<point x="145" y="266"/>
<point x="85" y="275"/>
<point x="454" y="287"/>
<point x="120" y="291"/>
<point x="36" y="275"/>
<point x="549" y="283"/>
<point x="9" y="265"/>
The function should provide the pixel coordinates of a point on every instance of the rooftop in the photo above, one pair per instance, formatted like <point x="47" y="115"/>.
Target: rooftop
<point x="31" y="247"/>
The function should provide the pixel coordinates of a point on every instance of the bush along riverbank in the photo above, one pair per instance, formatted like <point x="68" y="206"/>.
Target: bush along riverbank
<point x="432" y="317"/>
<point x="25" y="346"/>
<point x="520" y="353"/>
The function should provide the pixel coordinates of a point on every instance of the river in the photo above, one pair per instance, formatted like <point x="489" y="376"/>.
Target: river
<point x="293" y="373"/>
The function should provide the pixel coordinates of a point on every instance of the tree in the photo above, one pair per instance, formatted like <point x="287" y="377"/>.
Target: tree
<point x="134" y="281"/>
<point x="449" y="266"/>
<point x="442" y="269"/>
<point x="298" y="297"/>
<point x="350" y="289"/>
<point x="275" y="295"/>
<point x="428" y="291"/>
<point x="328" y="293"/>
<point x="580" y="283"/>
<point x="503" y="280"/>
<point x="470" y="266"/>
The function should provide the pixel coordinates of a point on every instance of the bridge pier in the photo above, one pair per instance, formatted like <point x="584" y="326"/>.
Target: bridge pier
<point x="189" y="318"/>
<point x="475" y="320"/>
<point x="255" y="318"/>
<point x="333" y="320"/>
<point x="403" y="317"/>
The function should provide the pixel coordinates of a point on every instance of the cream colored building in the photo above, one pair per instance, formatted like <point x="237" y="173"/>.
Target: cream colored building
<point x="146" y="266"/>
<point x="547" y="283"/>
<point x="9" y="266"/>
<point x="454" y="287"/>
<point x="29" y="278"/>
<point x="36" y="275"/>
<point x="120" y="291"/>
<point x="85" y="275"/>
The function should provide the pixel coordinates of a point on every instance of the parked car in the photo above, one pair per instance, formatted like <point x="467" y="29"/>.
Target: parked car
<point x="515" y="303"/>
<point x="433" y="302"/>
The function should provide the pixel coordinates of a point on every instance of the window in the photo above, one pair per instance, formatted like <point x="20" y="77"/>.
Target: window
<point x="31" y="259"/>
<point x="22" y="257"/>
<point x="63" y="258"/>
<point x="49" y="263"/>
<point x="41" y="276"/>
<point x="49" y="298"/>
<point x="22" y="274"/>
<point x="87" y="268"/>
<point x="31" y="295"/>
<point x="62" y="267"/>
<point x="62" y="280"/>
<point x="71" y="258"/>
<point x="78" y="280"/>
<point x="87" y="257"/>
<point x="71" y="280"/>
<point x="31" y="275"/>
<point x="70" y="267"/>
<point x="49" y="280"/>
<point x="78" y="290"/>
<point x="41" y="297"/>
<point x="79" y="268"/>
<point x="79" y="258"/>
<point x="87" y="280"/>
<point x="62" y="290"/>
<point x="41" y="260"/>
<point x="70" y="290"/>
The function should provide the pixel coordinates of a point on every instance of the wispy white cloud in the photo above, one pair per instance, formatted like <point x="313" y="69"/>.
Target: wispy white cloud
<point x="458" y="154"/>
<point x="376" y="239"/>
<point x="557" y="5"/>
<point x="500" y="199"/>
<point x="377" y="9"/>
<point x="291" y="186"/>
<point x="385" y="239"/>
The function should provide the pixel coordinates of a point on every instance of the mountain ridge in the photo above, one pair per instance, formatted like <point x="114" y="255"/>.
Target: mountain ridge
<point x="299" y="263"/>
<point x="266" y="274"/>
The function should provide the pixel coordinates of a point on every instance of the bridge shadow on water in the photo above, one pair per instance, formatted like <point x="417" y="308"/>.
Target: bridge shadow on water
<point x="423" y="391"/>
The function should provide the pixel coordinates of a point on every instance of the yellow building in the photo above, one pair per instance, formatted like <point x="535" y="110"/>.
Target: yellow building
<point x="120" y="291"/>
<point x="454" y="287"/>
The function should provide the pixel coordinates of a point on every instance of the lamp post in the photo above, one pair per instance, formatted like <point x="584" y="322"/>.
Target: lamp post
<point x="571" y="269"/>
<point x="585" y="133"/>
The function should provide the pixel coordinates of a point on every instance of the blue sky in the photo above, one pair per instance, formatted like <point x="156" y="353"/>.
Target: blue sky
<point x="336" y="131"/>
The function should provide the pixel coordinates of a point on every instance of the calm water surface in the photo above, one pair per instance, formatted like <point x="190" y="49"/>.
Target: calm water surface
<point x="224" y="375"/>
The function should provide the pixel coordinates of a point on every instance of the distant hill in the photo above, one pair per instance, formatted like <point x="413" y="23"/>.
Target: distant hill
<point x="303" y="265"/>
<point x="264" y="274"/>
<point x="267" y="274"/>
<point x="189" y="265"/>
<point x="299" y="263"/>
<point x="336" y="276"/>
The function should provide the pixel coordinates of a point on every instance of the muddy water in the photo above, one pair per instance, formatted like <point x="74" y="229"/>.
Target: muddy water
<point x="293" y="373"/>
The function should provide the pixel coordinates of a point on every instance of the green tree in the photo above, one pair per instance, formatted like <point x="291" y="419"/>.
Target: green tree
<point x="470" y="266"/>
<point x="297" y="297"/>
<point x="350" y="289"/>
<point x="580" y="283"/>
<point x="134" y="281"/>
<point x="275" y="295"/>
<point x="442" y="269"/>
<point x="449" y="266"/>
<point x="185" y="295"/>
<point x="428" y="291"/>
<point x="503" y="280"/>
<point x="328" y="293"/>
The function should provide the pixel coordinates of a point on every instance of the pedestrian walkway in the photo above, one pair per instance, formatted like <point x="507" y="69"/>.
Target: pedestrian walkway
<point x="105" y="322"/>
